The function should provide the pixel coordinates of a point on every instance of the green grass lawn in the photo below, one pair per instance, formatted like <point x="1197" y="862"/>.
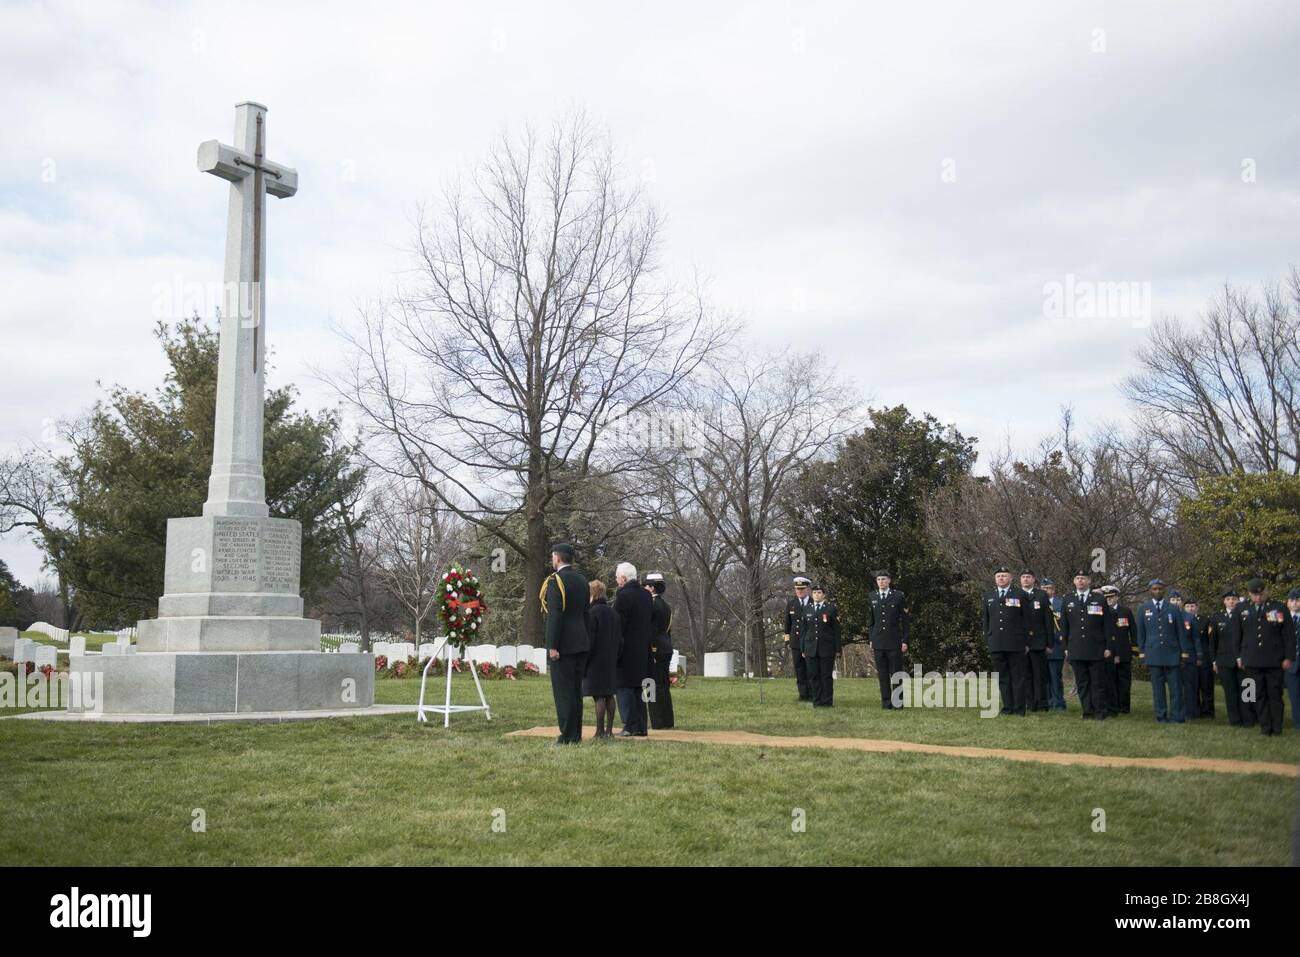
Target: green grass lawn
<point x="385" y="790"/>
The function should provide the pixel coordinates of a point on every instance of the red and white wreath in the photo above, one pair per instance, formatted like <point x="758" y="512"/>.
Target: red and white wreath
<point x="460" y="606"/>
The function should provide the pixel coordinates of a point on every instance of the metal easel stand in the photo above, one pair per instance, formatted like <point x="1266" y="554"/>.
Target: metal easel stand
<point x="446" y="708"/>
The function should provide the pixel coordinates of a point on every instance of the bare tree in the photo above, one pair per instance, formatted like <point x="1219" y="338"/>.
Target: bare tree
<point x="758" y="421"/>
<point x="1223" y="397"/>
<point x="355" y="591"/>
<point x="533" y="321"/>
<point x="418" y="540"/>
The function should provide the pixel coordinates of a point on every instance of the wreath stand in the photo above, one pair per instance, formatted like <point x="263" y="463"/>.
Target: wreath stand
<point x="446" y="708"/>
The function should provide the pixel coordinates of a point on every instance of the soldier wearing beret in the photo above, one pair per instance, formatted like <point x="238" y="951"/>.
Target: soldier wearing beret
<point x="1040" y="630"/>
<point x="565" y="596"/>
<point x="1189" y="672"/>
<point x="1268" y="638"/>
<point x="1005" y="614"/>
<point x="1119" y="667"/>
<point x="1163" y="644"/>
<point x="820" y="637"/>
<point x="1224" y="635"/>
<point x="1087" y="628"/>
<point x="889" y="618"/>
<point x="794" y="610"/>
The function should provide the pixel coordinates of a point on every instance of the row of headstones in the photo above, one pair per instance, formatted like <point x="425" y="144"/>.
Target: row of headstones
<point x="500" y="655"/>
<point x="50" y="631"/>
<point x="38" y="654"/>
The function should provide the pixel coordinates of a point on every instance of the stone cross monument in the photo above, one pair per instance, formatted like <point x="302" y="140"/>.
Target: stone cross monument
<point x="230" y="635"/>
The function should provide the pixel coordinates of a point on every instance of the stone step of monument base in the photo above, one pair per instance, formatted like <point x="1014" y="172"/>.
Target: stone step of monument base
<point x="211" y="683"/>
<point x="228" y="633"/>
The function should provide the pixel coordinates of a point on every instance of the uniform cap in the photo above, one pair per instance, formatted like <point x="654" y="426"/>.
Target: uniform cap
<point x="1255" y="585"/>
<point x="1048" y="581"/>
<point x="883" y="574"/>
<point x="1026" y="571"/>
<point x="819" y="587"/>
<point x="1294" y="593"/>
<point x="800" y="580"/>
<point x="1232" y="593"/>
<point x="654" y="577"/>
<point x="1154" y="582"/>
<point x="1081" y="573"/>
<point x="562" y="548"/>
<point x="1109" y="590"/>
<point x="1001" y="569"/>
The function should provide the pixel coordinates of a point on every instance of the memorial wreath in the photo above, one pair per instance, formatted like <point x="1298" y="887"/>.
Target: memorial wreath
<point x="460" y="606"/>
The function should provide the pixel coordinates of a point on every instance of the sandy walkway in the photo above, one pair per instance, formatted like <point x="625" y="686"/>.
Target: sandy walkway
<point x="1219" y="765"/>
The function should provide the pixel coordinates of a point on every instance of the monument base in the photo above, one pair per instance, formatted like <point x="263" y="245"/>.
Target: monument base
<point x="229" y="683"/>
<point x="238" y="634"/>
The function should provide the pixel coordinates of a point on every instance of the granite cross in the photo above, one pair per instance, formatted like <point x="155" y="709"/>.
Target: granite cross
<point x="237" y="485"/>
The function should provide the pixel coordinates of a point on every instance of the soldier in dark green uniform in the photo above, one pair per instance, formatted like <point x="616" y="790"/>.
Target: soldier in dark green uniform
<point x="1268" y="636"/>
<point x="1189" y="675"/>
<point x="1087" y="628"/>
<point x="1004" y="614"/>
<point x="821" y="643"/>
<point x="794" y="609"/>
<point x="1040" y="630"/>
<point x="1119" y="667"/>
<point x="565" y="596"/>
<point x="1224" y="635"/>
<point x="661" y="652"/>
<point x="889" y="617"/>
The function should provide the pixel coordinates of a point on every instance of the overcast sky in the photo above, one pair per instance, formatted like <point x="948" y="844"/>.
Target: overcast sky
<point x="898" y="187"/>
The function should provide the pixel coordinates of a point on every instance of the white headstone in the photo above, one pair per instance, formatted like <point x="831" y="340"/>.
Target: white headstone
<point x="539" y="659"/>
<point x="23" y="649"/>
<point x="349" y="647"/>
<point x="77" y="646"/>
<point x="524" y="653"/>
<point x="720" y="664"/>
<point x="112" y="648"/>
<point x="45" y="655"/>
<point x="507" y="656"/>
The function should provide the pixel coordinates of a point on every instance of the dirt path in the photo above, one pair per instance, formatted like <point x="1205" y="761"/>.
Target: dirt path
<point x="1219" y="765"/>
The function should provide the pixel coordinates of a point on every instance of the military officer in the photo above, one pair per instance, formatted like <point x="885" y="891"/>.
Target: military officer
<point x="820" y="637"/>
<point x="1087" y="628"/>
<point x="1189" y="672"/>
<point x="1005" y="610"/>
<point x="1268" y="637"/>
<point x="1119" y="668"/>
<point x="1291" y="677"/>
<point x="794" y="609"/>
<point x="661" y="652"/>
<point x="1163" y="644"/>
<point x="565" y="595"/>
<point x="1040" y="630"/>
<point x="1055" y="651"/>
<point x="889" y="619"/>
<point x="1224" y="634"/>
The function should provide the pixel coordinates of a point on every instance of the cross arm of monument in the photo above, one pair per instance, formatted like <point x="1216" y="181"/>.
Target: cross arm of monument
<point x="233" y="165"/>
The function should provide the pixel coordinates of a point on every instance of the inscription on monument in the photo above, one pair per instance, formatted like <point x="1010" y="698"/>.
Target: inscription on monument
<point x="234" y="554"/>
<point x="281" y="556"/>
<point x="253" y="555"/>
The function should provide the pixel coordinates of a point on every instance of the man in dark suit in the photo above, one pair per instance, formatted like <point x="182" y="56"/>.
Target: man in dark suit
<point x="1087" y="628"/>
<point x="889" y="617"/>
<point x="636" y="612"/>
<point x="661" y="652"/>
<point x="565" y="595"/>
<point x="1040" y="629"/>
<point x="794" y="609"/>
<point x="1268" y="639"/>
<point x="821" y="643"/>
<point x="1224" y="638"/>
<point x="1005" y="610"/>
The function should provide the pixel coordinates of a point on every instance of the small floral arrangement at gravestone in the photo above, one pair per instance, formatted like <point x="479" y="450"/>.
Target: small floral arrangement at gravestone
<point x="381" y="662"/>
<point x="460" y="606"/>
<point x="678" y="678"/>
<point x="530" y="669"/>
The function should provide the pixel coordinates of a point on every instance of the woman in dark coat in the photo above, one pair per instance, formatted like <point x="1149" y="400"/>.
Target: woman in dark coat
<point x="635" y="608"/>
<point x="601" y="679"/>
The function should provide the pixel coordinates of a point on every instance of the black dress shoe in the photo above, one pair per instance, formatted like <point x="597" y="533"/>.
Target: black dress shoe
<point x="625" y="733"/>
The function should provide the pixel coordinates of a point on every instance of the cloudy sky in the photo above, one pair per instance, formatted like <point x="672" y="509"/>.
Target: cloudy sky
<point x="900" y="187"/>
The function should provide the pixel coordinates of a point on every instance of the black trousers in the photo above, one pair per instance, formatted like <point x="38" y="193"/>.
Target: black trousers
<point x="801" y="674"/>
<point x="631" y="708"/>
<point x="1119" y="686"/>
<point x="1189" y="679"/>
<point x="1239" y="712"/>
<point x="1011" y="667"/>
<point x="889" y="661"/>
<point x="821" y="680"/>
<point x="1205" y="685"/>
<point x="1037" y="689"/>
<point x="661" y="708"/>
<point x="1090" y="680"/>
<point x="567" y="672"/>
<point x="1268" y="698"/>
